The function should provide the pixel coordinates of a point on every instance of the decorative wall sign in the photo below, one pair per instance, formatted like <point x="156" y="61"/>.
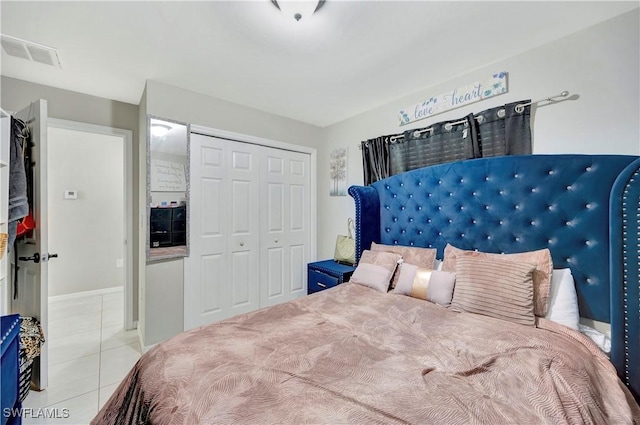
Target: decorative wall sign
<point x="167" y="176"/>
<point x="456" y="98"/>
<point x="338" y="172"/>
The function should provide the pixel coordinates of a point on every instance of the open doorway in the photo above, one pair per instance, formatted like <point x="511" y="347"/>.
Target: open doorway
<point x="90" y="201"/>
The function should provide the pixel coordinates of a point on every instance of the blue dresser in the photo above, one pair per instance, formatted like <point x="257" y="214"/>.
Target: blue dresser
<point x="10" y="368"/>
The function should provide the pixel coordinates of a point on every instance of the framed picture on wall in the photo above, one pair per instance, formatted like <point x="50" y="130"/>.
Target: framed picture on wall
<point x="338" y="172"/>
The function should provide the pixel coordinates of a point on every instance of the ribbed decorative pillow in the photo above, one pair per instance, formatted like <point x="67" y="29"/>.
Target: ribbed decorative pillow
<point x="421" y="257"/>
<point x="541" y="276"/>
<point x="496" y="288"/>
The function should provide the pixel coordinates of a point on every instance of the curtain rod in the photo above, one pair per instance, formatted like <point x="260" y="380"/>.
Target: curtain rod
<point x="519" y="108"/>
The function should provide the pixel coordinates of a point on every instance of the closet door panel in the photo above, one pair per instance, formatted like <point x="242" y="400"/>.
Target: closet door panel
<point x="243" y="224"/>
<point x="284" y="228"/>
<point x="211" y="267"/>
<point x="205" y="290"/>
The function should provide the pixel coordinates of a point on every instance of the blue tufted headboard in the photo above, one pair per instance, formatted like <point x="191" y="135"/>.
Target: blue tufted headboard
<point x="584" y="208"/>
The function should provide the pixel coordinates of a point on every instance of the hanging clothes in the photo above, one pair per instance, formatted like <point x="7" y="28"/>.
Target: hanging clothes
<point x="18" y="200"/>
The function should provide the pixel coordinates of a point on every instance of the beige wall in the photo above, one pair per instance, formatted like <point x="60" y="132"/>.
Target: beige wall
<point x="600" y="65"/>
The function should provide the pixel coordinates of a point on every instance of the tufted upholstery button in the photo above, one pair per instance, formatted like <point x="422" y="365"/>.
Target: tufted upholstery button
<point x="589" y="280"/>
<point x="403" y="231"/>
<point x="411" y="195"/>
<point x="500" y="222"/>
<point x="569" y="187"/>
<point x="517" y="207"/>
<point x="450" y="194"/>
<point x="550" y="207"/>
<point x="419" y="208"/>
<point x="395" y="218"/>
<point x="387" y="207"/>
<point x="419" y="183"/>
<point x="449" y="220"/>
<point x="402" y="207"/>
<point x="429" y="195"/>
<point x="488" y="237"/>
<point x="428" y="220"/>
<point x="534" y="190"/>
<point x="411" y="220"/>
<point x="501" y="192"/>
<point x="473" y="221"/>
<point x="439" y="233"/>
<point x="461" y="208"/>
<point x="568" y="260"/>
<point x="551" y="172"/>
<point x="588" y="169"/>
<point x="517" y="239"/>
<point x="461" y="180"/>
<point x="568" y="223"/>
<point x="486" y="207"/>
<point x="411" y="243"/>
<point x="395" y="196"/>
<point x="588" y="206"/>
<point x="515" y="176"/>
<point x="419" y="232"/>
<point x="439" y="181"/>
<point x="486" y="179"/>
<point x="462" y="235"/>
<point x="388" y="230"/>
<point x="550" y="241"/>
<point x="439" y="207"/>
<point x="533" y="223"/>
<point x="386" y="187"/>
<point x="401" y="184"/>
<point x="473" y="193"/>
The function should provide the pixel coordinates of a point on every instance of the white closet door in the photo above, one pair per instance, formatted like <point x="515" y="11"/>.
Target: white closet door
<point x="285" y="220"/>
<point x="221" y="278"/>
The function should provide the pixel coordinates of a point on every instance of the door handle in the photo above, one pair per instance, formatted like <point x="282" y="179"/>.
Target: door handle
<point x="35" y="258"/>
<point x="53" y="256"/>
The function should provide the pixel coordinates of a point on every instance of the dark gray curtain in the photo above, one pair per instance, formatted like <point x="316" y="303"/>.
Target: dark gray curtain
<point x="503" y="130"/>
<point x="443" y="143"/>
<point x="375" y="158"/>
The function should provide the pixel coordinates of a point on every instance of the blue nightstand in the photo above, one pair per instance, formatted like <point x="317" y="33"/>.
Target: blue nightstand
<point x="327" y="274"/>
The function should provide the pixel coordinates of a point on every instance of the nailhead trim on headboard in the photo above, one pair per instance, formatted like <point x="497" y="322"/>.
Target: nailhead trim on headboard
<point x="626" y="264"/>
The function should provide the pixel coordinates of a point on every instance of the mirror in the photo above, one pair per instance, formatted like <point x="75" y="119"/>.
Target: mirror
<point x="167" y="189"/>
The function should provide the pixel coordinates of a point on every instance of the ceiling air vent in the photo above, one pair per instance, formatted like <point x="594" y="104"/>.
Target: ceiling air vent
<point x="31" y="51"/>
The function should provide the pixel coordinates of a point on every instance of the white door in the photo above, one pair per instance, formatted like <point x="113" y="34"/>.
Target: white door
<point x="32" y="294"/>
<point x="285" y="236"/>
<point x="221" y="273"/>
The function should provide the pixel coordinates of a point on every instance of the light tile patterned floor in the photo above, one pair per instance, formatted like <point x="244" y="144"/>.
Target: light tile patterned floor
<point x="89" y="354"/>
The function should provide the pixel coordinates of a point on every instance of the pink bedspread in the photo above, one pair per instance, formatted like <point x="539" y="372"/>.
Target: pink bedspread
<point x="353" y="355"/>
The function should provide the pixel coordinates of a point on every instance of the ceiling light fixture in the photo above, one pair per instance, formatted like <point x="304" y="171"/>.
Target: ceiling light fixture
<point x="159" y="130"/>
<point x="298" y="9"/>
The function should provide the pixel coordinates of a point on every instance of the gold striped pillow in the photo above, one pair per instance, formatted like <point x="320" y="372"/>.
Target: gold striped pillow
<point x="496" y="288"/>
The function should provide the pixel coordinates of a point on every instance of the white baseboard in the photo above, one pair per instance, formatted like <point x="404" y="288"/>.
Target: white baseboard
<point x="83" y="294"/>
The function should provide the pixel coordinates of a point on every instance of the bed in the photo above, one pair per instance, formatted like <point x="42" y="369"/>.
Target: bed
<point x="352" y="354"/>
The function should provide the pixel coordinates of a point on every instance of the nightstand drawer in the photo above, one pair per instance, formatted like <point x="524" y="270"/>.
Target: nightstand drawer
<point x="319" y="281"/>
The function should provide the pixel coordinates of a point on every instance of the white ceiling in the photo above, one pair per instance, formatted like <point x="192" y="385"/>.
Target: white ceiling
<point x="349" y="57"/>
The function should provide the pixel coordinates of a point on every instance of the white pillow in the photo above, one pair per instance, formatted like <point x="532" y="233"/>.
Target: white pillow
<point x="437" y="264"/>
<point x="563" y="300"/>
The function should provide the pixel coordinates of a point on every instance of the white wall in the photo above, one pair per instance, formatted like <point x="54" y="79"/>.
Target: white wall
<point x="600" y="65"/>
<point x="93" y="165"/>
